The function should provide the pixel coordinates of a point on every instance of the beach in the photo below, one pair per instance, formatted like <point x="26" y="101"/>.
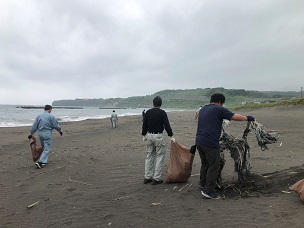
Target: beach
<point x="95" y="177"/>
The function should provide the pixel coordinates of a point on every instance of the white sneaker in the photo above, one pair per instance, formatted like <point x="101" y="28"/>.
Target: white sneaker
<point x="39" y="165"/>
<point x="211" y="195"/>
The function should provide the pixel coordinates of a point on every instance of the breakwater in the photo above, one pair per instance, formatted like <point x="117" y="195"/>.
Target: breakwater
<point x="42" y="107"/>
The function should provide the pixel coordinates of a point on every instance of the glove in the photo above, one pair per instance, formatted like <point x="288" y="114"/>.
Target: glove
<point x="144" y="138"/>
<point x="60" y="133"/>
<point x="250" y="118"/>
<point x="29" y="137"/>
<point x="172" y="139"/>
<point x="193" y="149"/>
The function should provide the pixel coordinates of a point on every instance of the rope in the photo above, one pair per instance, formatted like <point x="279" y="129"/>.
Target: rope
<point x="239" y="148"/>
<point x="264" y="137"/>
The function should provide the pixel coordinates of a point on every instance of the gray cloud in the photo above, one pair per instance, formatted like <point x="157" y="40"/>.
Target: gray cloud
<point x="53" y="50"/>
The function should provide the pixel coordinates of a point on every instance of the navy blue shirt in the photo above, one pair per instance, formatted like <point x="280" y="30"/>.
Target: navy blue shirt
<point x="155" y="121"/>
<point x="209" y="125"/>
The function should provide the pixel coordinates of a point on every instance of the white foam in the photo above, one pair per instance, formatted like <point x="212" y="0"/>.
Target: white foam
<point x="10" y="124"/>
<point x="9" y="117"/>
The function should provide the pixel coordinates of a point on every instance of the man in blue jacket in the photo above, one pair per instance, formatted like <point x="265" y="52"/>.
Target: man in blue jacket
<point x="114" y="119"/>
<point x="45" y="123"/>
<point x="209" y="128"/>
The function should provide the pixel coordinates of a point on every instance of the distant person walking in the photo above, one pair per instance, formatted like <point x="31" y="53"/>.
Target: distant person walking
<point x="114" y="119"/>
<point x="154" y="123"/>
<point x="143" y="114"/>
<point x="45" y="123"/>
<point x="209" y="128"/>
<point x="197" y="112"/>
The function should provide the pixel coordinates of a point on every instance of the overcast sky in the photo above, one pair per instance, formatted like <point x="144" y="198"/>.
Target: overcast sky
<point x="67" y="49"/>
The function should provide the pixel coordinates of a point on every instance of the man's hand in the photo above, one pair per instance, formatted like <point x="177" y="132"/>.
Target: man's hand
<point x="60" y="133"/>
<point x="29" y="137"/>
<point x="172" y="139"/>
<point x="144" y="138"/>
<point x="250" y="118"/>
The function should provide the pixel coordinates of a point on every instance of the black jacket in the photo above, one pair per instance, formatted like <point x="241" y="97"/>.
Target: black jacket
<point x="155" y="121"/>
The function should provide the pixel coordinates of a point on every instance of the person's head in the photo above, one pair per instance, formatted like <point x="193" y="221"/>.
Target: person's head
<point x="157" y="101"/>
<point x="217" y="98"/>
<point x="48" y="108"/>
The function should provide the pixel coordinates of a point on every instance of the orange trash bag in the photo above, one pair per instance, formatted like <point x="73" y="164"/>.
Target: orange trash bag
<point x="298" y="187"/>
<point x="180" y="164"/>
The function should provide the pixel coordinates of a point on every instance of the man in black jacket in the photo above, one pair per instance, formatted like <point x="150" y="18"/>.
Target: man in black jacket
<point x="154" y="123"/>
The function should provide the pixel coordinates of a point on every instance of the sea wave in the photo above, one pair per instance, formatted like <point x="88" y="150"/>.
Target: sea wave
<point x="79" y="118"/>
<point x="14" y="124"/>
<point x="12" y="117"/>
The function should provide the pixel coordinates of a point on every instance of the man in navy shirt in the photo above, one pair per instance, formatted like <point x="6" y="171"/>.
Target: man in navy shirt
<point x="154" y="123"/>
<point x="209" y="128"/>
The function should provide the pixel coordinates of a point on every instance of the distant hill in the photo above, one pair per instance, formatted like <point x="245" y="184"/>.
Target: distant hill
<point x="287" y="102"/>
<point x="185" y="99"/>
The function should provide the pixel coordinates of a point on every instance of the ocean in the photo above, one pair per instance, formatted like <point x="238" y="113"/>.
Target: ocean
<point x="14" y="116"/>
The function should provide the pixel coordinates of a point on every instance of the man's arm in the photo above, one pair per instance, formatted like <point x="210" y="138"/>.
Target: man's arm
<point x="239" y="117"/>
<point x="55" y="124"/>
<point x="144" y="127"/>
<point x="167" y="124"/>
<point x="34" y="126"/>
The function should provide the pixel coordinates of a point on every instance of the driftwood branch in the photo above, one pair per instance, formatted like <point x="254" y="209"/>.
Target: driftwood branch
<point x="32" y="205"/>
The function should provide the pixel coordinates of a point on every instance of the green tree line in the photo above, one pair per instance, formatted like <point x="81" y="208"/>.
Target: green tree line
<point x="184" y="99"/>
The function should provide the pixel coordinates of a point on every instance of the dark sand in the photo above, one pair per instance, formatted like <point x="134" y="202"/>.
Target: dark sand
<point x="95" y="178"/>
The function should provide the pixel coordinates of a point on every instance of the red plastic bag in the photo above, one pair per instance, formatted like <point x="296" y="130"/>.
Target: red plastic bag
<point x="298" y="187"/>
<point x="180" y="164"/>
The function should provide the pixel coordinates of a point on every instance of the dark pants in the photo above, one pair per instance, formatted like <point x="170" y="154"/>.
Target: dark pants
<point x="210" y="166"/>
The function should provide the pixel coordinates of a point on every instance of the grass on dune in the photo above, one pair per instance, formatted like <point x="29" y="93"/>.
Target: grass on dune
<point x="292" y="101"/>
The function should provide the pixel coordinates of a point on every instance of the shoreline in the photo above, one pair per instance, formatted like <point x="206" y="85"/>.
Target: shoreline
<point x="10" y="119"/>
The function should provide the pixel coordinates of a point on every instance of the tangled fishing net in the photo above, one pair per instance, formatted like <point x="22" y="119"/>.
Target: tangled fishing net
<point x="239" y="148"/>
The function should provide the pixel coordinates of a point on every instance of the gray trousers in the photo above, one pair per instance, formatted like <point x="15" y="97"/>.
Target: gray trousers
<point x="114" y="123"/>
<point x="155" y="156"/>
<point x="210" y="166"/>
